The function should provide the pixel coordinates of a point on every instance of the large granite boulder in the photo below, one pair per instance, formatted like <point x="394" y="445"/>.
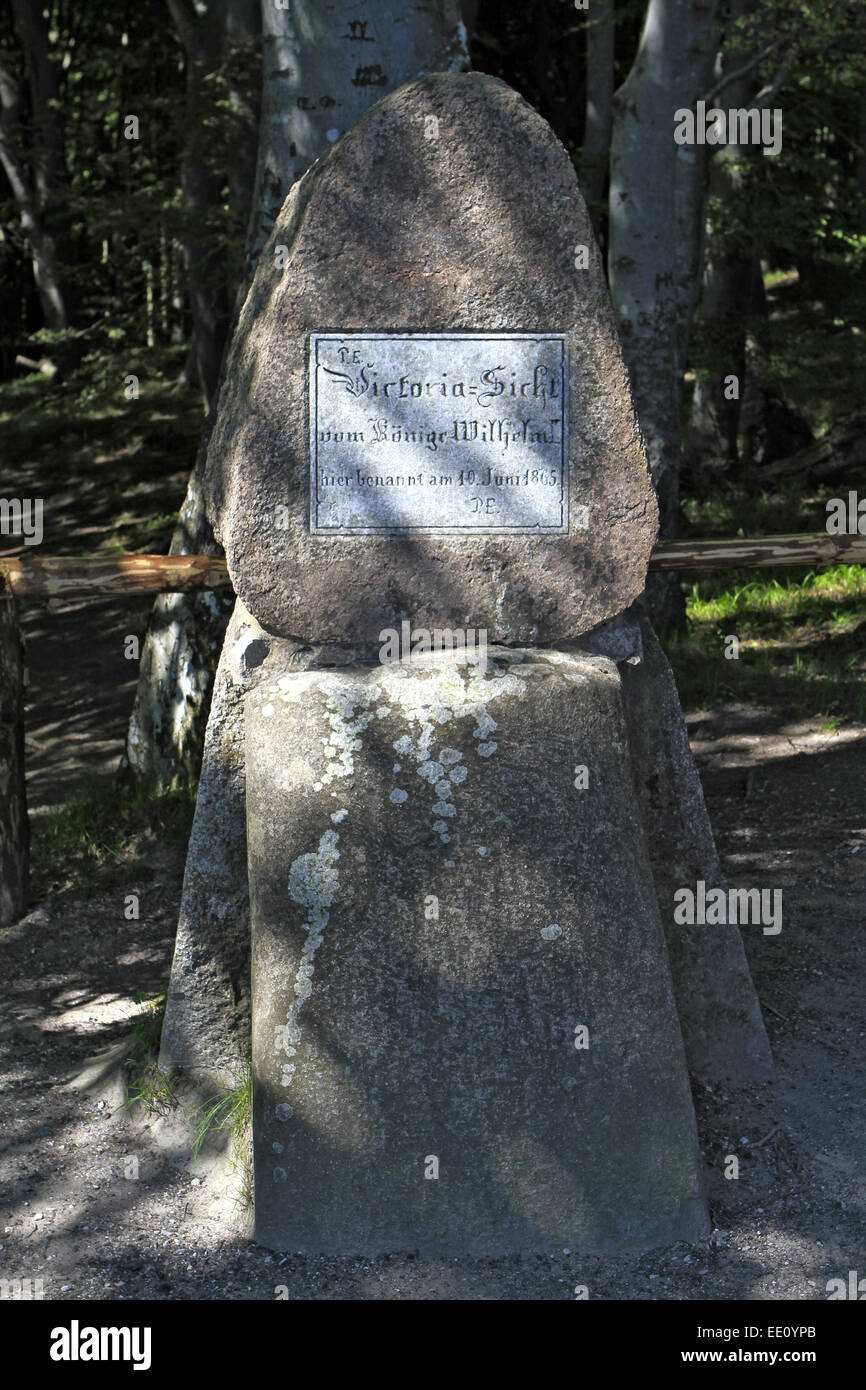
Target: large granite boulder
<point x="450" y="209"/>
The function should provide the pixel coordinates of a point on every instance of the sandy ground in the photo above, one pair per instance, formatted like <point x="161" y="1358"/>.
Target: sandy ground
<point x="100" y="1204"/>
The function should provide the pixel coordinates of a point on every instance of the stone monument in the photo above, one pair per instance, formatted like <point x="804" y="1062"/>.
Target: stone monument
<point x="466" y="782"/>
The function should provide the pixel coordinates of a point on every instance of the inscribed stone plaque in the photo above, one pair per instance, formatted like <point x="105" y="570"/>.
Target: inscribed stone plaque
<point x="438" y="433"/>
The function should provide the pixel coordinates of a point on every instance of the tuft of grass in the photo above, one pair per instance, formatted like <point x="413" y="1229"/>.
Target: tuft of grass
<point x="145" y="1084"/>
<point x="232" y="1111"/>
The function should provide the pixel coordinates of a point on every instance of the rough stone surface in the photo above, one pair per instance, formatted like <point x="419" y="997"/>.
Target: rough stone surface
<point x="450" y="207"/>
<point x="207" y="1018"/>
<point x="437" y="911"/>
<point x="723" y="1030"/>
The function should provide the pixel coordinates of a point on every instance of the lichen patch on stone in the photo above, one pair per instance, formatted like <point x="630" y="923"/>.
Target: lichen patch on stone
<point x="313" y="883"/>
<point x="551" y="933"/>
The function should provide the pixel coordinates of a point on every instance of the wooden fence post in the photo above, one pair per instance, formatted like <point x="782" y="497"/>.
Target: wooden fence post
<point x="14" y="828"/>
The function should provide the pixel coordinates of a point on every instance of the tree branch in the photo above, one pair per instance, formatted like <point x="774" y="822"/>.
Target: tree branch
<point x="186" y="23"/>
<point x="741" y="71"/>
<point x="783" y="72"/>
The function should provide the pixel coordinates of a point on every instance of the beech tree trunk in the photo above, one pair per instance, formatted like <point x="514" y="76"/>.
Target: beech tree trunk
<point x="655" y="225"/>
<point x="208" y="31"/>
<point x="324" y="62"/>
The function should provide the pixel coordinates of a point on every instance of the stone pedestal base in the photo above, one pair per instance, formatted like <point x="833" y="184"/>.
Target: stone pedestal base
<point x="464" y="1033"/>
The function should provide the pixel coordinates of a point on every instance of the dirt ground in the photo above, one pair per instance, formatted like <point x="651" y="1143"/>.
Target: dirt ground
<point x="98" y="1204"/>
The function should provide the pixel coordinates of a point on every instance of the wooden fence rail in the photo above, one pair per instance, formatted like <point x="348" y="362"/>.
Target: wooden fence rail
<point x="113" y="576"/>
<point x="766" y="552"/>
<point x="110" y="576"/>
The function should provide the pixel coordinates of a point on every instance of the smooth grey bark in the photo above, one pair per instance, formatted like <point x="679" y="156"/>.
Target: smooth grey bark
<point x="600" y="48"/>
<point x="14" y="828"/>
<point x="670" y="71"/>
<point x="323" y="65"/>
<point x="166" y="728"/>
<point x="305" y="49"/>
<point x="655" y="205"/>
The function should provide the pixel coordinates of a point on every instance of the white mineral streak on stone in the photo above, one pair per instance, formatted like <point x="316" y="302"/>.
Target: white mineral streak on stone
<point x="313" y="882"/>
<point x="337" y="816"/>
<point x="552" y="932"/>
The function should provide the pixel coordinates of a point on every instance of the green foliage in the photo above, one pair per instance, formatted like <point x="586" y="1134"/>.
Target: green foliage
<point x="817" y="345"/>
<point x="146" y="1085"/>
<point x="231" y="1111"/>
<point x="127" y="460"/>
<point x="121" y="212"/>
<point x="802" y="640"/>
